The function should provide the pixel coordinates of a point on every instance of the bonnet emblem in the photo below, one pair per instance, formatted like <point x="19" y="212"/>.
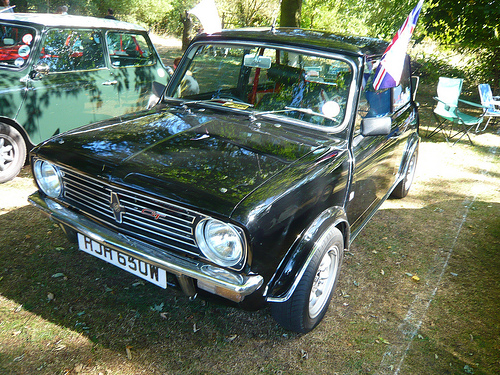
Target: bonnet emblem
<point x="116" y="207"/>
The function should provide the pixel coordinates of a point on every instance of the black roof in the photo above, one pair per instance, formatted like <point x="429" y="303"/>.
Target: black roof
<point x="354" y="45"/>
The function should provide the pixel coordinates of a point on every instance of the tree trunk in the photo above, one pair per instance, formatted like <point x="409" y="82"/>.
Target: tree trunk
<point x="290" y="13"/>
<point x="186" y="30"/>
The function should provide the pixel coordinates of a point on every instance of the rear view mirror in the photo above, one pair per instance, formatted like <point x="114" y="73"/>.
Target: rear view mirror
<point x="372" y="126"/>
<point x="256" y="61"/>
<point x="8" y="42"/>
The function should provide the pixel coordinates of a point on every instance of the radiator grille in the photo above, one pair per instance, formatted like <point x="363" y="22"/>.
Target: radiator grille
<point x="143" y="217"/>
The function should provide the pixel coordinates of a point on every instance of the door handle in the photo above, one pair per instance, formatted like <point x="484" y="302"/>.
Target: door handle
<point x="110" y="83"/>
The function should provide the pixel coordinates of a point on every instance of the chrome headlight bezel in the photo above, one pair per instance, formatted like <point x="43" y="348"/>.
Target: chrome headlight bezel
<point x="210" y="235"/>
<point x="48" y="178"/>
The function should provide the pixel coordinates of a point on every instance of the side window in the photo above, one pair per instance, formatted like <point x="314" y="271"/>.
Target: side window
<point x="372" y="103"/>
<point x="128" y="49"/>
<point x="401" y="94"/>
<point x="378" y="103"/>
<point x="66" y="50"/>
<point x="16" y="45"/>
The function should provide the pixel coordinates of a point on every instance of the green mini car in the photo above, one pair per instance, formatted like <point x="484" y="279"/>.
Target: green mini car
<point x="60" y="72"/>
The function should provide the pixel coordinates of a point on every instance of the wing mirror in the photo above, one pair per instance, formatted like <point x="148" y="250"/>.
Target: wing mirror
<point x="373" y="126"/>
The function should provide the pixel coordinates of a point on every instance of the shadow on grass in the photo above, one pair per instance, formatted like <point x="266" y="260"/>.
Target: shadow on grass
<point x="51" y="278"/>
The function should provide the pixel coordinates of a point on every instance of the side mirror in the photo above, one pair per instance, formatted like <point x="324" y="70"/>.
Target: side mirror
<point x="40" y="70"/>
<point x="373" y="126"/>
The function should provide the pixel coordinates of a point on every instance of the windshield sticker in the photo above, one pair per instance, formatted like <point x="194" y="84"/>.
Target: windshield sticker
<point x="236" y="105"/>
<point x="24" y="51"/>
<point x="27" y="38"/>
<point x="19" y="62"/>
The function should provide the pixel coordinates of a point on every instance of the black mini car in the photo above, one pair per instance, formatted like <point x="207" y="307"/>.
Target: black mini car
<point x="268" y="153"/>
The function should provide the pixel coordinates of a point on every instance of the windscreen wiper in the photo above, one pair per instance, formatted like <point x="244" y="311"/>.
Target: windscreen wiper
<point x="294" y="109"/>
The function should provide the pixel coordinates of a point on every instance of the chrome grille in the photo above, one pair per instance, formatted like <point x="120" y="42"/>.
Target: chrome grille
<point x="144" y="217"/>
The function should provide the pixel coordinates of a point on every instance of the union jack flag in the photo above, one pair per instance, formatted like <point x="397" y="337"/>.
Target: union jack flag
<point x="391" y="66"/>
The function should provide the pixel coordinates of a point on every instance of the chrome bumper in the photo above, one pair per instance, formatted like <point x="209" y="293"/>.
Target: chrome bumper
<point x="217" y="280"/>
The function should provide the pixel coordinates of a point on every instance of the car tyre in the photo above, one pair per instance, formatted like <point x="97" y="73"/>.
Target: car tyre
<point x="309" y="302"/>
<point x="12" y="152"/>
<point x="403" y="187"/>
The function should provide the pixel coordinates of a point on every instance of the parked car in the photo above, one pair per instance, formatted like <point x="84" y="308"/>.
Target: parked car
<point x="252" y="183"/>
<point x="59" y="72"/>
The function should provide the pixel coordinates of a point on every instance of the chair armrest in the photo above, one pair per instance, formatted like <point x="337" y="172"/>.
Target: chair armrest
<point x="472" y="104"/>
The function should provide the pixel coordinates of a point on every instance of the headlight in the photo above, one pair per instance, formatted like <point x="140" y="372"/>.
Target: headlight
<point x="48" y="178"/>
<point x="220" y="242"/>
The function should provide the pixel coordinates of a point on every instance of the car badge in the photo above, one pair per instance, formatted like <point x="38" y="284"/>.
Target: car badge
<point x="117" y="209"/>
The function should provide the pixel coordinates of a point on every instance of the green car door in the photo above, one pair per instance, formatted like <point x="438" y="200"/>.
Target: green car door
<point x="136" y="67"/>
<point x="69" y="85"/>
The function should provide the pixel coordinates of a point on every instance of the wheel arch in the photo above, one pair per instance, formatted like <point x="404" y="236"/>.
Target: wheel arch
<point x="287" y="276"/>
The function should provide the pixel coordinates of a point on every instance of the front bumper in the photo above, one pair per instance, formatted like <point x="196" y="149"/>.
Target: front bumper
<point x="217" y="280"/>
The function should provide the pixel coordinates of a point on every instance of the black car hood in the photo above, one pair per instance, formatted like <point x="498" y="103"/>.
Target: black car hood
<point x="206" y="159"/>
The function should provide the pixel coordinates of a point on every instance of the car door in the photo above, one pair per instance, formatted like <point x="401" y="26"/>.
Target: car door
<point x="136" y="69"/>
<point x="70" y="88"/>
<point x="375" y="159"/>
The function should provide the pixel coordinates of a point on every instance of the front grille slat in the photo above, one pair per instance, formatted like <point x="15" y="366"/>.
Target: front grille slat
<point x="150" y="219"/>
<point x="165" y="229"/>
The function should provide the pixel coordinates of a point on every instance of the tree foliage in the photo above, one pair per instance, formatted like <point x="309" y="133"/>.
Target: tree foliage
<point x="469" y="26"/>
<point x="466" y="25"/>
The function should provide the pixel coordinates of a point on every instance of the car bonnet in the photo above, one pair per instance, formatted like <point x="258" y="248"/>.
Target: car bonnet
<point x="206" y="159"/>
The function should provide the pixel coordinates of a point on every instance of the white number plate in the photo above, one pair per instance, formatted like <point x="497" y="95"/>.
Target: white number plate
<point x="135" y="266"/>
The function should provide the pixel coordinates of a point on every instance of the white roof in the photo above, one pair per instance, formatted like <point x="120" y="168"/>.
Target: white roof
<point x="69" y="21"/>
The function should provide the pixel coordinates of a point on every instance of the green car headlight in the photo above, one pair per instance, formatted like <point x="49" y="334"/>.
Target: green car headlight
<point x="48" y="178"/>
<point x="221" y="243"/>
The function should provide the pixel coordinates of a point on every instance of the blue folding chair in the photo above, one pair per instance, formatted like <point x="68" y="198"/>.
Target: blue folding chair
<point x="491" y="104"/>
<point x="450" y="121"/>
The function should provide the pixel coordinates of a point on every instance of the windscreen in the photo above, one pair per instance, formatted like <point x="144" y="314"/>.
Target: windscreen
<point x="305" y="86"/>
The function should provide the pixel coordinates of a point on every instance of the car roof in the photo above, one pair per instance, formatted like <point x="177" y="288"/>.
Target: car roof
<point x="53" y="20"/>
<point x="353" y="45"/>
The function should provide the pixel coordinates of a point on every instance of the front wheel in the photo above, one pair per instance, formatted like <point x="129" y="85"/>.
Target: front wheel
<point x="308" y="304"/>
<point x="12" y="152"/>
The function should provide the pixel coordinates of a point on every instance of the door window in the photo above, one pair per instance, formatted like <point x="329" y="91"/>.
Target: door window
<point x="66" y="50"/>
<point x="127" y="49"/>
<point x="16" y="44"/>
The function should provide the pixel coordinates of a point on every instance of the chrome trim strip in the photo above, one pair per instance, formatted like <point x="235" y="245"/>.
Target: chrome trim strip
<point x="171" y="263"/>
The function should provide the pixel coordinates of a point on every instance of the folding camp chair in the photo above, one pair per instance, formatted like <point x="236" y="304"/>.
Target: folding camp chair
<point x="451" y="122"/>
<point x="490" y="102"/>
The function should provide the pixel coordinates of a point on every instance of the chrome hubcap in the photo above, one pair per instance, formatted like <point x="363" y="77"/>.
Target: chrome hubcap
<point x="6" y="154"/>
<point x="323" y="282"/>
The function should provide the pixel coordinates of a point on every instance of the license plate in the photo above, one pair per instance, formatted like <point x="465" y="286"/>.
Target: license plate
<point x="137" y="267"/>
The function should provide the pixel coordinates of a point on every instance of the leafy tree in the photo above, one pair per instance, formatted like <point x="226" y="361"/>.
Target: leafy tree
<point x="341" y="16"/>
<point x="469" y="26"/>
<point x="247" y="13"/>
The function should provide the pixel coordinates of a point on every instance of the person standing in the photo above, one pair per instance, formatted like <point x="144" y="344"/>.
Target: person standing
<point x="5" y="7"/>
<point x="110" y="15"/>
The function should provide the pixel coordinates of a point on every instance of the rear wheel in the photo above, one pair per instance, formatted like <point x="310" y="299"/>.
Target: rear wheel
<point x="308" y="304"/>
<point x="401" y="190"/>
<point x="12" y="152"/>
